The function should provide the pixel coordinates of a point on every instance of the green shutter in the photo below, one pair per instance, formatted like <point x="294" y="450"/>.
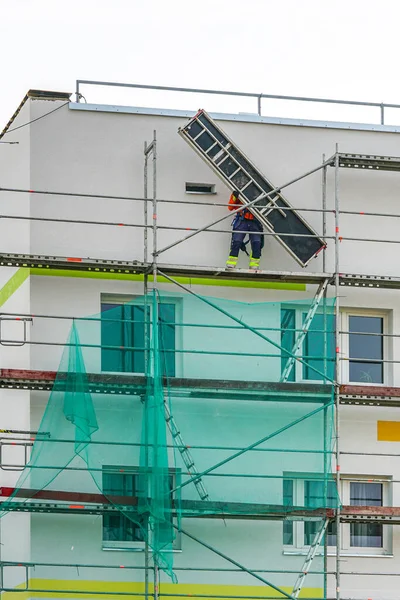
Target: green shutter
<point x="138" y="338"/>
<point x="167" y="338"/>
<point x="111" y="335"/>
<point x="288" y="324"/>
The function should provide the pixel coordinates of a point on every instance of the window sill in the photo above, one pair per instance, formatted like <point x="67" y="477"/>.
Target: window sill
<point x="138" y="548"/>
<point x="122" y="549"/>
<point x="331" y="553"/>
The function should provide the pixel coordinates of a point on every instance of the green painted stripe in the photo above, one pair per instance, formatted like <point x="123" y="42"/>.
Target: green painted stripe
<point x="298" y="287"/>
<point x="13" y="284"/>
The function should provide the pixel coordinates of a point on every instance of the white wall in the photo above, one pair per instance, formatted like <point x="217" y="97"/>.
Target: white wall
<point x="15" y="162"/>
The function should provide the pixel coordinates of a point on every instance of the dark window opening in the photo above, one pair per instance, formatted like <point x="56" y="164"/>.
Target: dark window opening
<point x="199" y="188"/>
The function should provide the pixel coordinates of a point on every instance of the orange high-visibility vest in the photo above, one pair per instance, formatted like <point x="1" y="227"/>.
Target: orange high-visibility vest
<point x="236" y="203"/>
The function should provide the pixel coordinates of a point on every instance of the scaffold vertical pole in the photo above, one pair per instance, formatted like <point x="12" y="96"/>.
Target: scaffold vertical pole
<point x="154" y="209"/>
<point x="146" y="368"/>
<point x="326" y="420"/>
<point x="337" y="366"/>
<point x="324" y="173"/>
<point x="326" y="472"/>
<point x="155" y="305"/>
<point x="145" y="205"/>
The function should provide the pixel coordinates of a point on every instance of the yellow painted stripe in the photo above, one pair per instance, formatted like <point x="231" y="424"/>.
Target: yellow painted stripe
<point x="13" y="284"/>
<point x="388" y="431"/>
<point x="298" y="287"/>
<point x="97" y="590"/>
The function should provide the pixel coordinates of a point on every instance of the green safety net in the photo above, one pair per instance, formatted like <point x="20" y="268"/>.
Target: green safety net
<point x="171" y="406"/>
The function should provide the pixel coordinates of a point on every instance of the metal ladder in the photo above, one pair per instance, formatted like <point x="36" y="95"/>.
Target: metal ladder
<point x="185" y="453"/>
<point x="306" y="326"/>
<point x="309" y="558"/>
<point x="267" y="203"/>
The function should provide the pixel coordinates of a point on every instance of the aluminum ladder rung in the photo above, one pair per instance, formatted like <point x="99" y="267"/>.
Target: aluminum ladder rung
<point x="312" y="551"/>
<point x="306" y="326"/>
<point x="185" y="453"/>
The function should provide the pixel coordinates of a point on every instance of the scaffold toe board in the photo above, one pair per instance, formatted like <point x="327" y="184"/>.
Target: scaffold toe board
<point x="240" y="174"/>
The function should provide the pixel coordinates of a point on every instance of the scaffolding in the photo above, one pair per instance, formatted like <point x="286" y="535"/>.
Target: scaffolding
<point x="163" y="510"/>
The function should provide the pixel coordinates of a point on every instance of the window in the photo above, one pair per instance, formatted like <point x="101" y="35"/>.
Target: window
<point x="365" y="346"/>
<point x="357" y="538"/>
<point x="117" y="527"/>
<point x="199" y="188"/>
<point x="366" y="535"/>
<point x="366" y="351"/>
<point x="319" y="342"/>
<point x="311" y="493"/>
<point x="119" y="531"/>
<point x="123" y="327"/>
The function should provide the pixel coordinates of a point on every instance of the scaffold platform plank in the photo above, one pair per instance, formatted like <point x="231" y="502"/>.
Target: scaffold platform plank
<point x="387" y="515"/>
<point x="182" y="387"/>
<point x="369" y="162"/>
<point x="210" y="272"/>
<point x="370" y="395"/>
<point x="41" y="261"/>
<point x="118" y="267"/>
<point x="65" y="502"/>
<point x="91" y="503"/>
<point x="369" y="281"/>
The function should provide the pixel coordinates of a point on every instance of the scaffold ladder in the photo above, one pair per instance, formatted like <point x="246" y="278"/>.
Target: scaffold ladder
<point x="312" y="551"/>
<point x="209" y="140"/>
<point x="305" y="328"/>
<point x="185" y="453"/>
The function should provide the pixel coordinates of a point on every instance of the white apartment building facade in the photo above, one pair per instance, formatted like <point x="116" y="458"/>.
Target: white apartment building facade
<point x="77" y="165"/>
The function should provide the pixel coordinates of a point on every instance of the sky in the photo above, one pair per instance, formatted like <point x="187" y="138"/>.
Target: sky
<point x="346" y="49"/>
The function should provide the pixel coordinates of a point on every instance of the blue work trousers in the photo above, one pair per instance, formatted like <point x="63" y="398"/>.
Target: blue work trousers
<point x="241" y="227"/>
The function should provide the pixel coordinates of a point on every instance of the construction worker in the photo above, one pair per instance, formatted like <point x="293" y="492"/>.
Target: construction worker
<point x="243" y="223"/>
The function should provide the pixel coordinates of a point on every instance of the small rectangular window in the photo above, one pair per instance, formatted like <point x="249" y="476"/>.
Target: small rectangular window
<point x="366" y="351"/>
<point x="199" y="188"/>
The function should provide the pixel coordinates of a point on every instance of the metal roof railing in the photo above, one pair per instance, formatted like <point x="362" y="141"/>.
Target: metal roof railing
<point x="256" y="95"/>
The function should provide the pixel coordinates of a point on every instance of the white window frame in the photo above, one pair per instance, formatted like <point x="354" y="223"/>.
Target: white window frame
<point x="387" y="534"/>
<point x="298" y="546"/>
<point x="345" y="315"/>
<point x="118" y="299"/>
<point x="138" y="546"/>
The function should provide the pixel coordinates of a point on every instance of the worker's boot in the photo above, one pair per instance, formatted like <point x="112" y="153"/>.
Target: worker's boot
<point x="254" y="263"/>
<point x="231" y="262"/>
